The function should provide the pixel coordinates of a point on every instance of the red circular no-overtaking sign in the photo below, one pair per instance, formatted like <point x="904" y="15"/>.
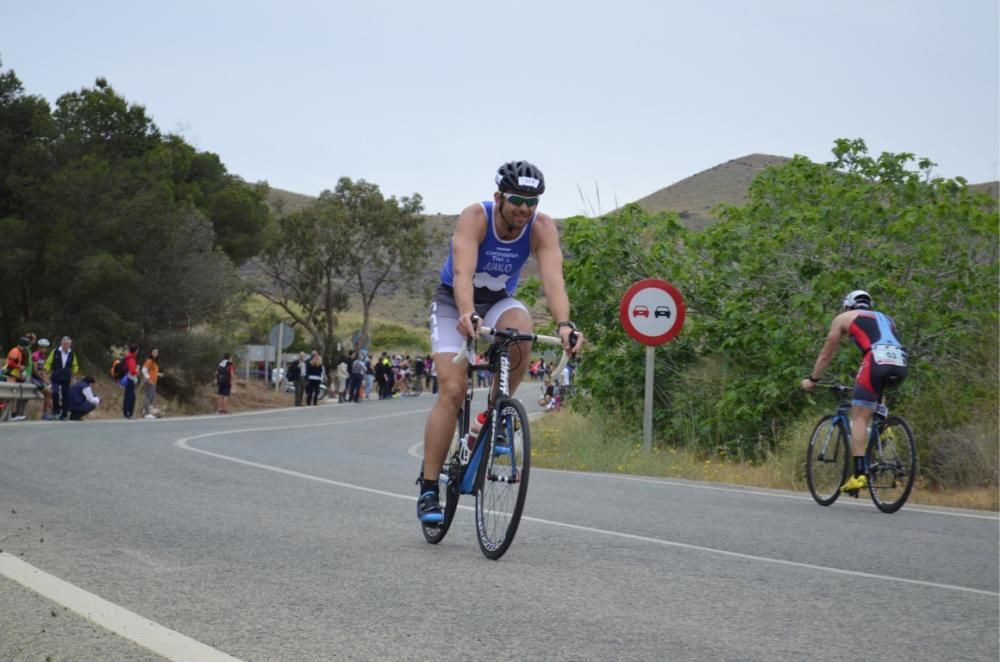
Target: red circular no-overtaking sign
<point x="652" y="311"/>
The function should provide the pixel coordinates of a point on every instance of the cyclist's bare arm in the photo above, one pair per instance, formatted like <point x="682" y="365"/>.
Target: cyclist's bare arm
<point x="838" y="329"/>
<point x="470" y="230"/>
<point x="545" y="243"/>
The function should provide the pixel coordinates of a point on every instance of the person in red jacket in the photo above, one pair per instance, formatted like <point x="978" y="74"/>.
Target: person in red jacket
<point x="129" y="380"/>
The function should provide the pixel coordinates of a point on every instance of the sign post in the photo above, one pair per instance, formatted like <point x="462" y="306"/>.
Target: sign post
<point x="280" y="337"/>
<point x="652" y="312"/>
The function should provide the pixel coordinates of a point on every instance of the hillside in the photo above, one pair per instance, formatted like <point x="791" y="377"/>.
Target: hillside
<point x="695" y="197"/>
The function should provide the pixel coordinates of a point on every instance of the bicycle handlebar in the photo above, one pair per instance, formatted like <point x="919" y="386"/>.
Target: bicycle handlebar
<point x="490" y="333"/>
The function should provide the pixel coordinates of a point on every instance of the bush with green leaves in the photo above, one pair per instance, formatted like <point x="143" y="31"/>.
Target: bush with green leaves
<point x="763" y="285"/>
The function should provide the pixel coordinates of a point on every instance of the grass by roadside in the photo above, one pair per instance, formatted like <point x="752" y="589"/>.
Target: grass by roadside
<point x="567" y="440"/>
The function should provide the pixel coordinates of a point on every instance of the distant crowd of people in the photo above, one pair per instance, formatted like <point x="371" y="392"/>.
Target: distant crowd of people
<point x="357" y="377"/>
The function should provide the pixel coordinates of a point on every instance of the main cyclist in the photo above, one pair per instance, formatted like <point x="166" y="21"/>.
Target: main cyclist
<point x="883" y="363"/>
<point x="491" y="243"/>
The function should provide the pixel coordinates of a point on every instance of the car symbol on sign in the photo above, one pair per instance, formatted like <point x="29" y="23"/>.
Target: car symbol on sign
<point x="640" y="311"/>
<point x="662" y="311"/>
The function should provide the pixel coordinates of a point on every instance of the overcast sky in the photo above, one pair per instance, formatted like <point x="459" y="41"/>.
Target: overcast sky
<point x="430" y="97"/>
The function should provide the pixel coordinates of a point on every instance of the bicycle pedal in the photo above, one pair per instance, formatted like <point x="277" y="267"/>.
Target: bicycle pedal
<point x="853" y="493"/>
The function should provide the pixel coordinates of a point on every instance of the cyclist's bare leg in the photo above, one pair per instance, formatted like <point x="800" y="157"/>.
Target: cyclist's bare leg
<point x="861" y="417"/>
<point x="520" y="354"/>
<point x="440" y="426"/>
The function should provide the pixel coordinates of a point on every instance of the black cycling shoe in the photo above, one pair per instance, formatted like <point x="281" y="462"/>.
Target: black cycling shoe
<point x="429" y="509"/>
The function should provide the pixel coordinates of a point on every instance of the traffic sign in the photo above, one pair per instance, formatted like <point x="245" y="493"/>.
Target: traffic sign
<point x="281" y="334"/>
<point x="652" y="311"/>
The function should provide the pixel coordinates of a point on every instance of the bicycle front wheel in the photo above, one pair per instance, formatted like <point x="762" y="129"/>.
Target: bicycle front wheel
<point x="828" y="460"/>
<point x="892" y="464"/>
<point x="502" y="479"/>
<point x="449" y="479"/>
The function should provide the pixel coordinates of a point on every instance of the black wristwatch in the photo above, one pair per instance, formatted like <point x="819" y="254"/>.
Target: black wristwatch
<point x="571" y="326"/>
<point x="812" y="379"/>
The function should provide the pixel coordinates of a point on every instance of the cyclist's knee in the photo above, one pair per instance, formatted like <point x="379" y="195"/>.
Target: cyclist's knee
<point x="451" y="392"/>
<point x="516" y="318"/>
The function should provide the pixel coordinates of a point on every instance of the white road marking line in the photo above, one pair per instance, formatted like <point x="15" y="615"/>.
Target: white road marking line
<point x="749" y="491"/>
<point x="183" y="443"/>
<point x="765" y="559"/>
<point x="144" y="632"/>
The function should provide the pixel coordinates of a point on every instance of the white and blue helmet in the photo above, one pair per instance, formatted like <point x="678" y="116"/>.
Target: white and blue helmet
<point x="858" y="299"/>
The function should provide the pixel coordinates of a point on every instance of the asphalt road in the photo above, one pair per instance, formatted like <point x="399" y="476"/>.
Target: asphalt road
<point x="291" y="535"/>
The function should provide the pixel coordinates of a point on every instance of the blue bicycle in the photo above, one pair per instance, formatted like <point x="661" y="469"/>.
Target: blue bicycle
<point x="891" y="456"/>
<point x="496" y="467"/>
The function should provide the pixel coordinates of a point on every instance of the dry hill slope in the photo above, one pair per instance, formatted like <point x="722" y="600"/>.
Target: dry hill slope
<point x="695" y="197"/>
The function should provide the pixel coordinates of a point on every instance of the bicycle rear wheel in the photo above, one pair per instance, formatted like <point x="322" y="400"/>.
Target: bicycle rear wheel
<point x="828" y="460"/>
<point x="892" y="464"/>
<point x="502" y="479"/>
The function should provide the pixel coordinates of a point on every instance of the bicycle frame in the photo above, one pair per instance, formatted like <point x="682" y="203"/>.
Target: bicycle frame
<point x="499" y="366"/>
<point x="841" y="418"/>
<point x="874" y="436"/>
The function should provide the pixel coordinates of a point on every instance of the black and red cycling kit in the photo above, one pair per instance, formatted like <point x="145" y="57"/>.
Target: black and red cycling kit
<point x="883" y="359"/>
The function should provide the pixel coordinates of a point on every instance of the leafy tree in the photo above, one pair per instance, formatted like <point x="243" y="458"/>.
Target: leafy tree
<point x="385" y="241"/>
<point x="763" y="284"/>
<point x="299" y="271"/>
<point x="109" y="228"/>
<point x="348" y="240"/>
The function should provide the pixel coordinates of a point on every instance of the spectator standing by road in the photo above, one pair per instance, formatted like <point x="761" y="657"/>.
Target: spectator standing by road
<point x="17" y="371"/>
<point x="224" y="374"/>
<point x="130" y="380"/>
<point x="418" y="371"/>
<point x="315" y="374"/>
<point x="381" y="378"/>
<point x="343" y="378"/>
<point x="82" y="399"/>
<point x="41" y="378"/>
<point x="61" y="366"/>
<point x="296" y="374"/>
<point x="565" y="382"/>
<point x="369" y="377"/>
<point x="150" y="375"/>
<point x="357" y="379"/>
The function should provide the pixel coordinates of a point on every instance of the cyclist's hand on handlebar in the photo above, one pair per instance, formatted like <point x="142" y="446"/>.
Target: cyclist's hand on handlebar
<point x="808" y="384"/>
<point x="468" y="325"/>
<point x="572" y="340"/>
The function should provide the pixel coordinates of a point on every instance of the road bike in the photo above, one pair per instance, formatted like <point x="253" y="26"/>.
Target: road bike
<point x="496" y="467"/>
<point x="890" y="455"/>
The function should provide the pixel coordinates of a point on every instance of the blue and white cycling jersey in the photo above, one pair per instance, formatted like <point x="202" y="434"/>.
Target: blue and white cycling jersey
<point x="499" y="263"/>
